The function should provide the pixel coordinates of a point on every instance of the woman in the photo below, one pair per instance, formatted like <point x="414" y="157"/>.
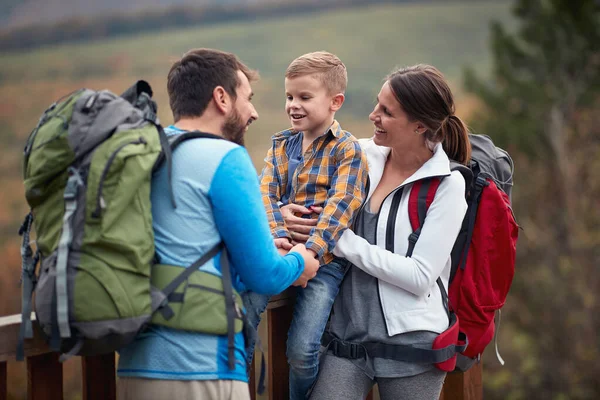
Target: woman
<point x="387" y="297"/>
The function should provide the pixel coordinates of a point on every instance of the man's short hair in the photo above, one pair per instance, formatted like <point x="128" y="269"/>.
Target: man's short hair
<point x="329" y="69"/>
<point x="192" y="80"/>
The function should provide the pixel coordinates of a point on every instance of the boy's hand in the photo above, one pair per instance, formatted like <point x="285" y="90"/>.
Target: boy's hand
<point x="283" y="245"/>
<point x="311" y="265"/>
<point x="299" y="227"/>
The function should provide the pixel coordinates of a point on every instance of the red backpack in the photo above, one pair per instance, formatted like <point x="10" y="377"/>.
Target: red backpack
<point x="483" y="256"/>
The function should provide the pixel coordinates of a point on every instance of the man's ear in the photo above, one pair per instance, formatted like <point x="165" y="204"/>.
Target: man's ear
<point x="222" y="99"/>
<point x="337" y="101"/>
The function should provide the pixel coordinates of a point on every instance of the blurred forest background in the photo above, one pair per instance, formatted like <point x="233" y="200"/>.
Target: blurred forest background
<point x="525" y="72"/>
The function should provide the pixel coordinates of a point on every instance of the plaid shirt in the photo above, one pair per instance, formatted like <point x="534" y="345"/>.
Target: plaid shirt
<point x="332" y="175"/>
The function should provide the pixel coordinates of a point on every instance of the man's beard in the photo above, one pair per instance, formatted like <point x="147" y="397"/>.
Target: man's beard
<point x="234" y="128"/>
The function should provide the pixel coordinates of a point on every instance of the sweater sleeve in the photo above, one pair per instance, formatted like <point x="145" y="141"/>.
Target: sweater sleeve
<point x="241" y="220"/>
<point x="418" y="273"/>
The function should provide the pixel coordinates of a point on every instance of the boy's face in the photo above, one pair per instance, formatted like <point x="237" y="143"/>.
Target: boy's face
<point x="308" y="104"/>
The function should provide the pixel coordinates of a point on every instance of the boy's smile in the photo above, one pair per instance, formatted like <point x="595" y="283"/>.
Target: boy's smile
<point x="308" y="105"/>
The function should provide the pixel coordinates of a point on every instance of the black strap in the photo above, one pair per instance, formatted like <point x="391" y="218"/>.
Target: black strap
<point x="229" y="308"/>
<point x="444" y="296"/>
<point x="480" y="183"/>
<point x="178" y="139"/>
<point x="166" y="156"/>
<point x="391" y="222"/>
<point x="406" y="353"/>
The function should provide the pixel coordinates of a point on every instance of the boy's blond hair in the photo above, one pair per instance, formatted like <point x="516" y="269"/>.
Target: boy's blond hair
<point x="330" y="70"/>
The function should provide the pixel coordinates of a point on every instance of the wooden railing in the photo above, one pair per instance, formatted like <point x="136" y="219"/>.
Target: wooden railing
<point x="45" y="381"/>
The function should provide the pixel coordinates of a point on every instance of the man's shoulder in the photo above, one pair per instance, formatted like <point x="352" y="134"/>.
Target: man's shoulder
<point x="204" y="153"/>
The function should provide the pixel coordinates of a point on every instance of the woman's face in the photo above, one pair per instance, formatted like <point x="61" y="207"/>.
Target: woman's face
<point x="393" y="127"/>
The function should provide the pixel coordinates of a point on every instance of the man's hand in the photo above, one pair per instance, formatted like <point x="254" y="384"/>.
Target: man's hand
<point x="283" y="245"/>
<point x="311" y="265"/>
<point x="299" y="227"/>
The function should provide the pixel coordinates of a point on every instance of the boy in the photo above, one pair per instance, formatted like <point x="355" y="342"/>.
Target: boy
<point x="314" y="164"/>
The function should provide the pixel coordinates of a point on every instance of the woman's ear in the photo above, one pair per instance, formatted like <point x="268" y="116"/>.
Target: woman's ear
<point x="337" y="101"/>
<point x="222" y="99"/>
<point x="420" y="128"/>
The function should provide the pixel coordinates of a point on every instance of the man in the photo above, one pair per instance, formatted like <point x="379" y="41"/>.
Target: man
<point x="218" y="199"/>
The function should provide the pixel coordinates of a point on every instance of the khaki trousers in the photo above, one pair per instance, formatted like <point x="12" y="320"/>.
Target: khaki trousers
<point x="161" y="389"/>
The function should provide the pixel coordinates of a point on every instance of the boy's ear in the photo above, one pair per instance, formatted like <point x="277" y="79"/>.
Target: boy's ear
<point x="337" y="101"/>
<point x="222" y="99"/>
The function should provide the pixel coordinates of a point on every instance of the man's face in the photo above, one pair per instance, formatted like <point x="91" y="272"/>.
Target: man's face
<point x="242" y="114"/>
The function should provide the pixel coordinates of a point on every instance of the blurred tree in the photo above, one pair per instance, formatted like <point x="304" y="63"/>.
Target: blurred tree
<point x="543" y="105"/>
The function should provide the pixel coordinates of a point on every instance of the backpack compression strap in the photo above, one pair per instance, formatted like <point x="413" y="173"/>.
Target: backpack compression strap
<point x="162" y="297"/>
<point x="28" y="281"/>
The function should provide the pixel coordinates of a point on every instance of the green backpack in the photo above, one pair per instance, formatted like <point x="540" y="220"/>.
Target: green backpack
<point x="88" y="166"/>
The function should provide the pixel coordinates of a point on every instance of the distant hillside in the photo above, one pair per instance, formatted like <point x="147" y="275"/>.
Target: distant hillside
<point x="85" y="20"/>
<point x="20" y="13"/>
<point x="15" y="13"/>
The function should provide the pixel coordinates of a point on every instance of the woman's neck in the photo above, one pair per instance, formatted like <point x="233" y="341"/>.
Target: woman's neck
<point x="409" y="160"/>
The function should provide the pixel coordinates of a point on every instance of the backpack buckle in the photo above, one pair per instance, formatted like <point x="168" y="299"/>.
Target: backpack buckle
<point x="413" y="237"/>
<point x="480" y="182"/>
<point x="353" y="351"/>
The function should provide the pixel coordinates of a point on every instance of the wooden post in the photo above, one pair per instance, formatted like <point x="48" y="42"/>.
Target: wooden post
<point x="44" y="377"/>
<point x="277" y="366"/>
<point x="464" y="385"/>
<point x="99" y="378"/>
<point x="3" y="381"/>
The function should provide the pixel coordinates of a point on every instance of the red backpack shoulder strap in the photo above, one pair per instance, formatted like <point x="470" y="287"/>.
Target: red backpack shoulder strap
<point x="421" y="197"/>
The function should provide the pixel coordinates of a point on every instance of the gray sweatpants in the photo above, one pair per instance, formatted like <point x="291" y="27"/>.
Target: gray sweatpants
<point x="340" y="379"/>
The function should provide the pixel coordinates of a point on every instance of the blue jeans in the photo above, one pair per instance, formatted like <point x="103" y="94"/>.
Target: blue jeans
<point x="311" y="312"/>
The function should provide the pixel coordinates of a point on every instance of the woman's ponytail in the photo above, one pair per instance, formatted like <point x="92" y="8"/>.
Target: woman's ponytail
<point x="456" y="139"/>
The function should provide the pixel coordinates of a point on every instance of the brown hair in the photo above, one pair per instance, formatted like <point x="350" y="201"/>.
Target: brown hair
<point x="424" y="95"/>
<point x="330" y="70"/>
<point x="192" y="80"/>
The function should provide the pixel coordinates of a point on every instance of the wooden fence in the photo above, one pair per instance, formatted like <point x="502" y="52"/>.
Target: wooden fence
<point x="45" y="374"/>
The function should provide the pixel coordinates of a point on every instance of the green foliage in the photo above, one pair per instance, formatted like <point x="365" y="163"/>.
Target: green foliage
<point x="553" y="61"/>
<point x="543" y="104"/>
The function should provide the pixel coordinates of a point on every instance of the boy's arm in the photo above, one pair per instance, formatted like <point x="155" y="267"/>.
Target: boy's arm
<point x="343" y="199"/>
<point x="270" y="190"/>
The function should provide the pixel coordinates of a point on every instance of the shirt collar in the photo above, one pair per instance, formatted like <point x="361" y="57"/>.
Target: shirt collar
<point x="335" y="129"/>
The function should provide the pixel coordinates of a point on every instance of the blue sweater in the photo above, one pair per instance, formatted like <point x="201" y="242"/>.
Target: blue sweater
<point x="218" y="198"/>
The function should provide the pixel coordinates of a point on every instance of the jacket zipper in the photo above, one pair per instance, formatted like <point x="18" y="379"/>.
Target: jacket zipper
<point x="100" y="204"/>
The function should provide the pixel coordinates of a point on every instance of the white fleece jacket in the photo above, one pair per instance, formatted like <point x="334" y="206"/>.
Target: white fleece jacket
<point x="409" y="295"/>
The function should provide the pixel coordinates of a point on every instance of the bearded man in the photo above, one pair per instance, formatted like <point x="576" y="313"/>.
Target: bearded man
<point x="218" y="206"/>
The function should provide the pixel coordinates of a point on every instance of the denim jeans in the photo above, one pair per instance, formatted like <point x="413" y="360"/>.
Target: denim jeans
<point x="311" y="312"/>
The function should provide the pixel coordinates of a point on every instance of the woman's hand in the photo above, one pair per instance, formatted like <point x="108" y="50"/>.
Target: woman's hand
<point x="299" y="227"/>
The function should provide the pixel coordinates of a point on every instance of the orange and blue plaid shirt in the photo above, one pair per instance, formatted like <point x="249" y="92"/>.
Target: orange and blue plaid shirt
<point x="332" y="175"/>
